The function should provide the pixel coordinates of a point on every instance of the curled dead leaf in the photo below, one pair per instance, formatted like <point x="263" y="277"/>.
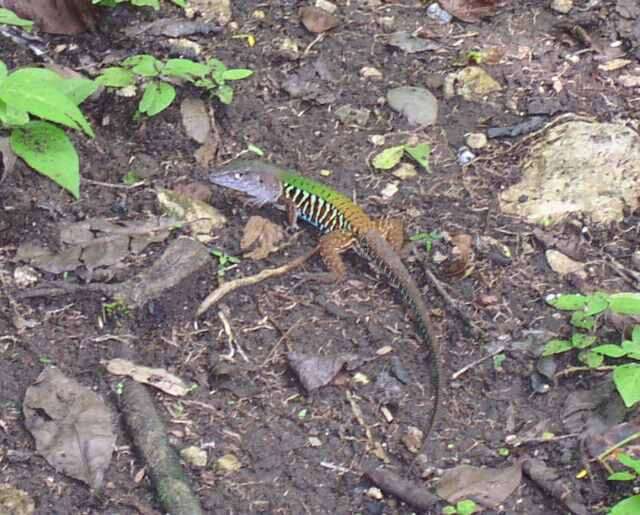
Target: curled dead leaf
<point x="263" y="234"/>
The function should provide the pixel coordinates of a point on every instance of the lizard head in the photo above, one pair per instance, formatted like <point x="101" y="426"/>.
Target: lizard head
<point x="258" y="179"/>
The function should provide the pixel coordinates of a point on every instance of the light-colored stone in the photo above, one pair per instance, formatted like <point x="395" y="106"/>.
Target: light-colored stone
<point x="369" y="72"/>
<point x="562" y="6"/>
<point x="194" y="456"/>
<point x="578" y="167"/>
<point x="476" y="140"/>
<point x="405" y="171"/>
<point x="562" y="264"/>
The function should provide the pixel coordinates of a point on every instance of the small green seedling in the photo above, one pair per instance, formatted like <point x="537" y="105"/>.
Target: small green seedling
<point x="465" y="507"/>
<point x="137" y="3"/>
<point x="115" y="309"/>
<point x="630" y="504"/>
<point x="156" y="79"/>
<point x="586" y="316"/>
<point x="225" y="261"/>
<point x="131" y="178"/>
<point x="427" y="238"/>
<point x="8" y="17"/>
<point x="391" y="156"/>
<point x="53" y="100"/>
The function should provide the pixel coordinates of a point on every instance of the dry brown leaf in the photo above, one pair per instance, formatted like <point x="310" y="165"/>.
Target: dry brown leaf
<point x="157" y="377"/>
<point x="317" y="20"/>
<point x="462" y="254"/>
<point x="71" y="425"/>
<point x="264" y="234"/>
<point x="471" y="10"/>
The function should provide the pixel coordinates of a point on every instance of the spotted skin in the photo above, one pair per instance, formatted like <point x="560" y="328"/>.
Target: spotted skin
<point x="344" y="225"/>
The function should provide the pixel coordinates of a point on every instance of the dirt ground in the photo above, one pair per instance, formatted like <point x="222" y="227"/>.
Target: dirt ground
<point x="299" y="452"/>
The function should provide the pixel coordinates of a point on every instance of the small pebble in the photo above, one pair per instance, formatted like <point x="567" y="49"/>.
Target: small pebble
<point x="476" y="140"/>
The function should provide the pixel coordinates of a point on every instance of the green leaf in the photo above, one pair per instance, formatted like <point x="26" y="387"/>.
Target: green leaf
<point x="146" y="3"/>
<point x="568" y="302"/>
<point x="582" y="321"/>
<point x="225" y="94"/>
<point x="185" y="69"/>
<point x="3" y="71"/>
<point x="8" y="17"/>
<point x="388" y="158"/>
<point x="12" y="117"/>
<point x="610" y="350"/>
<point x="236" y="74"/>
<point x="627" y="380"/>
<point x="205" y="83"/>
<point x="180" y="3"/>
<point x="635" y="334"/>
<point x="628" y="506"/>
<point x="582" y="341"/>
<point x="556" y="347"/>
<point x="449" y="510"/>
<point x="625" y="303"/>
<point x="466" y="507"/>
<point x="217" y="68"/>
<point x="420" y="153"/>
<point x="48" y="150"/>
<point x="591" y="359"/>
<point x="622" y="476"/>
<point x="596" y="304"/>
<point x="629" y="461"/>
<point x="631" y="347"/>
<point x="78" y="90"/>
<point x="144" y="65"/>
<point x="116" y="77"/>
<point x="24" y="89"/>
<point x="156" y="98"/>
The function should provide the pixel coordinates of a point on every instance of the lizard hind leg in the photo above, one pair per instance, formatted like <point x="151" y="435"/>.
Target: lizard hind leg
<point x="331" y="246"/>
<point x="393" y="231"/>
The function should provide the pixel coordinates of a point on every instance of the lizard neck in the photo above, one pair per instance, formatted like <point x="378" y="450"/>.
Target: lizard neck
<point x="323" y="207"/>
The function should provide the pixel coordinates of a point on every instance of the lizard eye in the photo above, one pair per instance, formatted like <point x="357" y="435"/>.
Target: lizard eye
<point x="237" y="175"/>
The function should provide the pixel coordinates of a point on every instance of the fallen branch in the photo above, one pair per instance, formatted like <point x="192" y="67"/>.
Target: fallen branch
<point x="230" y="286"/>
<point x="150" y="439"/>
<point x="411" y="493"/>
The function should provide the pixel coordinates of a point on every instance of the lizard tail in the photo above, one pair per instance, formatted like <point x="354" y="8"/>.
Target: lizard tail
<point x="378" y="250"/>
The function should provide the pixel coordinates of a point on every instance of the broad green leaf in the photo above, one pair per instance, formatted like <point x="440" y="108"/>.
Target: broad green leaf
<point x="8" y="17"/>
<point x="582" y="321"/>
<point x="236" y="74"/>
<point x="635" y="334"/>
<point x="628" y="506"/>
<point x="185" y="69"/>
<point x="3" y="71"/>
<point x="144" y="65"/>
<point x="116" y="77"/>
<point x="596" y="304"/>
<point x="217" y="68"/>
<point x="591" y="359"/>
<point x="78" y="90"/>
<point x="629" y="461"/>
<point x="631" y="347"/>
<point x="582" y="341"/>
<point x="466" y="507"/>
<point x="146" y="3"/>
<point x="48" y="150"/>
<point x="610" y="350"/>
<point x="627" y="380"/>
<point x="24" y="89"/>
<point x="388" y="158"/>
<point x="12" y="117"/>
<point x="225" y="94"/>
<point x="568" y="302"/>
<point x="625" y="303"/>
<point x="556" y="347"/>
<point x="420" y="153"/>
<point x="622" y="476"/>
<point x="156" y="98"/>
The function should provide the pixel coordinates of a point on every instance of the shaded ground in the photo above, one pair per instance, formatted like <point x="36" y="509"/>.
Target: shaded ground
<point x="256" y="410"/>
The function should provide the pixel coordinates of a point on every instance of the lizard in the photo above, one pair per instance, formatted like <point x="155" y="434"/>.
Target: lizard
<point x="344" y="224"/>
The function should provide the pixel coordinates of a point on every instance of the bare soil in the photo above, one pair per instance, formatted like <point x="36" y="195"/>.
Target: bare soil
<point x="256" y="409"/>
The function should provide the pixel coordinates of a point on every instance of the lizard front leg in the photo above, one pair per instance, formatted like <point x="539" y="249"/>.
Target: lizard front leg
<point x="392" y="229"/>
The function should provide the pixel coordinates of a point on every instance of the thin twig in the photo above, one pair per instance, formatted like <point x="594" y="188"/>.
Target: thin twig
<point x="226" y="288"/>
<point x="476" y="362"/>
